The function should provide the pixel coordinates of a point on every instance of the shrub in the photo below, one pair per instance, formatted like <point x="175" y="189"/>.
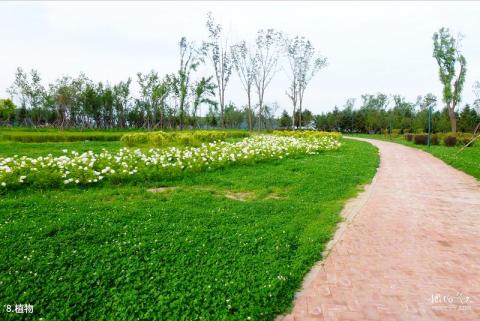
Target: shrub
<point x="157" y="139"/>
<point x="465" y="138"/>
<point x="450" y="140"/>
<point x="395" y="132"/>
<point x="434" y="139"/>
<point x="307" y="134"/>
<point x="134" y="139"/>
<point x="409" y="137"/>
<point x="420" y="139"/>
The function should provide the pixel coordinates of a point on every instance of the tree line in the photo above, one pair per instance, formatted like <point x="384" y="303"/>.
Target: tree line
<point x="172" y="100"/>
<point x="379" y="113"/>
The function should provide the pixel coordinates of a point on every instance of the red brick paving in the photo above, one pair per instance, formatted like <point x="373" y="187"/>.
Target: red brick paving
<point x="412" y="238"/>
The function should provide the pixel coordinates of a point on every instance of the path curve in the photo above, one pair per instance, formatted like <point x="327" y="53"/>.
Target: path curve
<point x="411" y="250"/>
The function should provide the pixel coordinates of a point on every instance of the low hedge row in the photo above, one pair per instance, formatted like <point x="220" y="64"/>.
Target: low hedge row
<point x="448" y="139"/>
<point x="42" y="137"/>
<point x="189" y="138"/>
<point x="307" y="134"/>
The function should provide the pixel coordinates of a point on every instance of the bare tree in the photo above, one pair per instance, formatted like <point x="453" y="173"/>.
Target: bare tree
<point x="304" y="63"/>
<point x="219" y="52"/>
<point x="190" y="59"/>
<point x="121" y="100"/>
<point x="476" y="92"/>
<point x="244" y="63"/>
<point x="267" y="53"/>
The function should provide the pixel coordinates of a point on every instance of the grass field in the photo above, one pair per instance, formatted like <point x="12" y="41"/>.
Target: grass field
<point x="227" y="244"/>
<point x="467" y="160"/>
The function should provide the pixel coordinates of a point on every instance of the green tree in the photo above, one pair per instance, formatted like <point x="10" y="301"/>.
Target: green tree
<point x="7" y="108"/>
<point x="203" y="92"/>
<point x="468" y="119"/>
<point x="452" y="70"/>
<point x="233" y="116"/>
<point x="285" y="120"/>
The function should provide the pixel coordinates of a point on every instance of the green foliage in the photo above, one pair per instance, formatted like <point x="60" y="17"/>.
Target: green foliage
<point x="7" y="108"/>
<point x="285" y="120"/>
<point x="446" y="52"/>
<point x="449" y="59"/>
<point x="121" y="252"/>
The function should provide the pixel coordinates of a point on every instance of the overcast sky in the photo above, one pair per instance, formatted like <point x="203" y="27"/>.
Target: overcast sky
<point x="371" y="46"/>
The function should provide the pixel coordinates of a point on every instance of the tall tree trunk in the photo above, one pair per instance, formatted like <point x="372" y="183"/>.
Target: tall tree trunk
<point x="453" y="119"/>
<point x="222" y="110"/>
<point x="249" y="111"/>
<point x="293" y="117"/>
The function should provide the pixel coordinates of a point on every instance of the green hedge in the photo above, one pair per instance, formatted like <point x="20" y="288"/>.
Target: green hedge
<point x="188" y="138"/>
<point x="40" y="137"/>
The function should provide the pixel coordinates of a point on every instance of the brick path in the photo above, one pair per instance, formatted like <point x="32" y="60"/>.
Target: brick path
<point x="413" y="239"/>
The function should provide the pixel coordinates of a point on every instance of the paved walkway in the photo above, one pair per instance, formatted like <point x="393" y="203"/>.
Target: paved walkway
<point x="409" y="250"/>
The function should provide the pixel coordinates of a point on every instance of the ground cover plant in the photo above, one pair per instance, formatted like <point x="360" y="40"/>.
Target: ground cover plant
<point x="465" y="160"/>
<point x="90" y="168"/>
<point x="122" y="252"/>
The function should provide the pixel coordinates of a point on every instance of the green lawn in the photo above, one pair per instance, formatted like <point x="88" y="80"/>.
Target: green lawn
<point x="123" y="253"/>
<point x="467" y="160"/>
<point x="41" y="149"/>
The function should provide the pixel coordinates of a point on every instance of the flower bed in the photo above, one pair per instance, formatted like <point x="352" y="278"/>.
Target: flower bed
<point x="89" y="168"/>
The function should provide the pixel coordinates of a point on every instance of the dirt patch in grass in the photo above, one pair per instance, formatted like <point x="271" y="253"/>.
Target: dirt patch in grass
<point x="163" y="189"/>
<point x="273" y="196"/>
<point x="239" y="196"/>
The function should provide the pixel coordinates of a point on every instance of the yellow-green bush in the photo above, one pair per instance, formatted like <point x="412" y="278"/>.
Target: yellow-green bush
<point x="307" y="134"/>
<point x="185" y="138"/>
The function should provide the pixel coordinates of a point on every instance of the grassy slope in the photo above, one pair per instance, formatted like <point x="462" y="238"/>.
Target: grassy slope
<point x="120" y="252"/>
<point x="467" y="161"/>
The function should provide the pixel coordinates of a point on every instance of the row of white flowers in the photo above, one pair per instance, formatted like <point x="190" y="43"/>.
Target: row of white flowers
<point x="89" y="168"/>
